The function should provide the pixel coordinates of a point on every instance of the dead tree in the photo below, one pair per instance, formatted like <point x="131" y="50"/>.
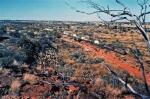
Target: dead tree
<point x="125" y="14"/>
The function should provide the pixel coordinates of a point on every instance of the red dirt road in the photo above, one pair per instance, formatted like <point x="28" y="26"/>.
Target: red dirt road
<point x="112" y="58"/>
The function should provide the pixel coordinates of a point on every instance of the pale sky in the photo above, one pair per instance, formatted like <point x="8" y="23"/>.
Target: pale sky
<point x="53" y="9"/>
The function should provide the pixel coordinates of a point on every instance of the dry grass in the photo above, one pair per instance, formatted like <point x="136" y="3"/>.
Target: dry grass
<point x="39" y="68"/>
<point x="113" y="91"/>
<point x="98" y="82"/>
<point x="30" y="78"/>
<point x="4" y="71"/>
<point x="15" y="86"/>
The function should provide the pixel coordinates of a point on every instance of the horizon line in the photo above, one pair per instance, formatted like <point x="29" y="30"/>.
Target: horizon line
<point x="49" y="20"/>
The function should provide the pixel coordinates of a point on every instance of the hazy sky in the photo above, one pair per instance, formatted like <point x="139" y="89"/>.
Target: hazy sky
<point x="52" y="9"/>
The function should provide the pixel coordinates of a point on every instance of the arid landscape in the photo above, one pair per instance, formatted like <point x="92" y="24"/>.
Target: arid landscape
<point x="68" y="60"/>
<point x="74" y="49"/>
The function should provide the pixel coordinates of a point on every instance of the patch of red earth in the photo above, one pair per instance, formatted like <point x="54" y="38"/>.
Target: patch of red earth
<point x="112" y="59"/>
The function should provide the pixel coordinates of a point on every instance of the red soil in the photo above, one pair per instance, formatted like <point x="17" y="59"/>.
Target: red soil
<point x="113" y="59"/>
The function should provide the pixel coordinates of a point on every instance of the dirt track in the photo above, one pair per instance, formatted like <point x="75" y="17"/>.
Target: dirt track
<point x="112" y="58"/>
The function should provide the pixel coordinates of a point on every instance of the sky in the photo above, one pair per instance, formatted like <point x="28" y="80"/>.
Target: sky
<point x="53" y="9"/>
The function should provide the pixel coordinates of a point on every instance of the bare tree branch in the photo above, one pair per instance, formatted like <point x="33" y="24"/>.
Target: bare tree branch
<point x="126" y="14"/>
<point x="120" y="3"/>
<point x="128" y="86"/>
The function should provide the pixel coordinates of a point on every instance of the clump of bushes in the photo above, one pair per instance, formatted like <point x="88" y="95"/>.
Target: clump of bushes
<point x="4" y="91"/>
<point x="5" y="57"/>
<point x="79" y="56"/>
<point x="95" y="61"/>
<point x="31" y="50"/>
<point x="117" y="44"/>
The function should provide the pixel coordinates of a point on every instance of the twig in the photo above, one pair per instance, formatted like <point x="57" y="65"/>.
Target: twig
<point x="125" y="84"/>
